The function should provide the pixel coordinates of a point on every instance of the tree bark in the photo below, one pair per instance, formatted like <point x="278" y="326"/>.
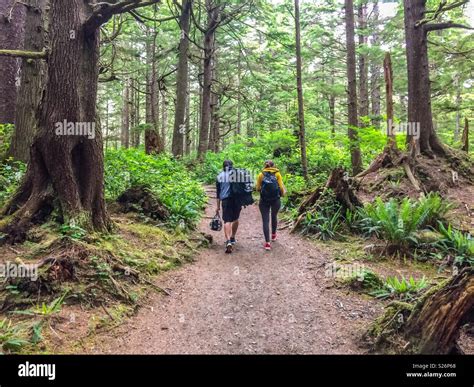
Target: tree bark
<point x="137" y="134"/>
<point x="238" y="131"/>
<point x="458" y="108"/>
<point x="188" y="137"/>
<point x="66" y="168"/>
<point x="153" y="141"/>
<point x="465" y="136"/>
<point x="332" y="113"/>
<point x="11" y="37"/>
<point x="363" y="67"/>
<point x="433" y="326"/>
<point x="209" y="41"/>
<point x="164" y="117"/>
<point x="356" y="158"/>
<point x="388" y="73"/>
<point x="214" y="131"/>
<point x="181" y="82"/>
<point x="375" y="71"/>
<point x="299" y="87"/>
<point x="125" y="133"/>
<point x="419" y="88"/>
<point x="32" y="82"/>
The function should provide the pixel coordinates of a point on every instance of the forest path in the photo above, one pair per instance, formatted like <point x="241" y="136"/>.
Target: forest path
<point x="250" y="301"/>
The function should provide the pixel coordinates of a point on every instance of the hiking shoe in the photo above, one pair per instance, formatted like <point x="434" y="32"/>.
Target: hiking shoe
<point x="228" y="247"/>
<point x="233" y="241"/>
<point x="274" y="237"/>
<point x="267" y="246"/>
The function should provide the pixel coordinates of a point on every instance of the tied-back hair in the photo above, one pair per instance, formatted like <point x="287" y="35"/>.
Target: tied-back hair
<point x="269" y="164"/>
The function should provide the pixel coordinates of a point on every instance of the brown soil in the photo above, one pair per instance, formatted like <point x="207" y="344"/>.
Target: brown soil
<point x="251" y="301"/>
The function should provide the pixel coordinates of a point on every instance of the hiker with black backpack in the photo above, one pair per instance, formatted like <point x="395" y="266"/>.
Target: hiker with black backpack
<point x="271" y="188"/>
<point x="234" y="190"/>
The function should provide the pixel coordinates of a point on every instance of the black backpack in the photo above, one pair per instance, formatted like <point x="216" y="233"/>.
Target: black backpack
<point x="270" y="188"/>
<point x="241" y="187"/>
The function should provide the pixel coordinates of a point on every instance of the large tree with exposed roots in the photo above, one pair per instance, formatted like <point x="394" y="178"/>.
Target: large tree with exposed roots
<point x="418" y="23"/>
<point x="66" y="172"/>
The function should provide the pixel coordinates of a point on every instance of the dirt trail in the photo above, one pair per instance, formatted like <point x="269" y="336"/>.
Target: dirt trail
<point x="251" y="301"/>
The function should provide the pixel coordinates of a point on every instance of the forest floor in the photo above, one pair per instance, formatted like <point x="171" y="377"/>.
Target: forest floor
<point x="250" y="301"/>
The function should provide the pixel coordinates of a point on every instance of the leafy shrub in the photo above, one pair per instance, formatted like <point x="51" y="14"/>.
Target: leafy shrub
<point x="397" y="221"/>
<point x="166" y="177"/>
<point x="402" y="288"/>
<point x="366" y="280"/>
<point x="11" y="173"/>
<point x="11" y="336"/>
<point x="456" y="243"/>
<point x="6" y="131"/>
<point x="324" y="220"/>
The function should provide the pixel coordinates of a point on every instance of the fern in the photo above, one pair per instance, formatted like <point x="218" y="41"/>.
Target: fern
<point x="456" y="243"/>
<point x="398" y="221"/>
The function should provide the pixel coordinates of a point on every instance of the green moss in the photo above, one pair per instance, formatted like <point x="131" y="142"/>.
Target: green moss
<point x="394" y="317"/>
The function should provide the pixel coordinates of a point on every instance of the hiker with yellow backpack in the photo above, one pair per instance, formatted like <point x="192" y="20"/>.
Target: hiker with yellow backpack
<point x="271" y="188"/>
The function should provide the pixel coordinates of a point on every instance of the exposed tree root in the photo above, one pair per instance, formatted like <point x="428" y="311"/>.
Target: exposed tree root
<point x="432" y="325"/>
<point x="140" y="198"/>
<point x="394" y="173"/>
<point x="99" y="274"/>
<point x="389" y="157"/>
<point x="339" y="183"/>
<point x="58" y="179"/>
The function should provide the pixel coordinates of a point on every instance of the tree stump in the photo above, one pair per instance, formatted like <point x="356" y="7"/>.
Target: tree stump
<point x="433" y="326"/>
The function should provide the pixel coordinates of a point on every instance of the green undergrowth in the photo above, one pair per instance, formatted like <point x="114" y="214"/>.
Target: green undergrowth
<point x="91" y="270"/>
<point x="170" y="180"/>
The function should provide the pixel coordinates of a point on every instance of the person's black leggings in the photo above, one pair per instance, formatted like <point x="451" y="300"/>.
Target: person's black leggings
<point x="265" y="208"/>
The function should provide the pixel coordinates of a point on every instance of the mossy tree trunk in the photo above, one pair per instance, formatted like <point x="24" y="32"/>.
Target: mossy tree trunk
<point x="433" y="326"/>
<point x="66" y="172"/>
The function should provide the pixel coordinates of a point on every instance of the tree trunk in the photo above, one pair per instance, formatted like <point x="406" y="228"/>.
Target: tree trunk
<point x="299" y="87"/>
<point x="214" y="132"/>
<point x="419" y="89"/>
<point x="209" y="41"/>
<point x="363" y="68"/>
<point x="187" y="138"/>
<point x="181" y="81"/>
<point x="215" y="124"/>
<point x="133" y="112"/>
<point x="33" y="80"/>
<point x="433" y="326"/>
<point x="388" y="73"/>
<point x="238" y="131"/>
<point x="153" y="141"/>
<point x="457" y="128"/>
<point x="375" y="72"/>
<point x="136" y="138"/>
<point x="11" y="37"/>
<point x="65" y="167"/>
<point x="107" y="115"/>
<point x="164" y="117"/>
<point x="125" y="133"/>
<point x="356" y="158"/>
<point x="465" y="136"/>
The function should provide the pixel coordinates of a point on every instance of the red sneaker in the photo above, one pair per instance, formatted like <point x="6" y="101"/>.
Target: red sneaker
<point x="274" y="237"/>
<point x="267" y="246"/>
